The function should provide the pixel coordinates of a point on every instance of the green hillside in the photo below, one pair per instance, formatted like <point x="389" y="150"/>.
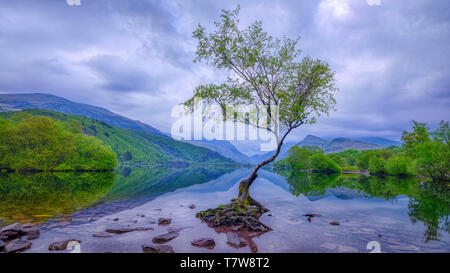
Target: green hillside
<point x="134" y="146"/>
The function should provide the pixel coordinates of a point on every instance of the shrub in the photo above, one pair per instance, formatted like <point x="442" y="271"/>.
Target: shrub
<point x="377" y="165"/>
<point x="400" y="165"/>
<point x="322" y="163"/>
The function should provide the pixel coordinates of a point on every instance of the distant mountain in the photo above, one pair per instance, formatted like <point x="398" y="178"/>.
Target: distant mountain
<point x="10" y="102"/>
<point x="255" y="159"/>
<point x="222" y="147"/>
<point x="311" y="140"/>
<point x="334" y="146"/>
<point x="342" y="144"/>
<point x="137" y="146"/>
<point x="384" y="142"/>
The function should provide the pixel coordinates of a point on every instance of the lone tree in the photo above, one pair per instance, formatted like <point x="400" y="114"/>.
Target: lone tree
<point x="263" y="70"/>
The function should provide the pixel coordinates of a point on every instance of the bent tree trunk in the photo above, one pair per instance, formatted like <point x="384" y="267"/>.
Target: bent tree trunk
<point x="244" y="197"/>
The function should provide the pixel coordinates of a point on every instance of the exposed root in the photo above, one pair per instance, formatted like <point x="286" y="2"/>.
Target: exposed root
<point x="233" y="214"/>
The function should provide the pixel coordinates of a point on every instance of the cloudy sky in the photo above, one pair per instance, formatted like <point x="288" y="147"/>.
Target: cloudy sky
<point x="135" y="57"/>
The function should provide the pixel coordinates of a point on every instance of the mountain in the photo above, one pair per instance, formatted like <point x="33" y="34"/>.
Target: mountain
<point x="384" y="142"/>
<point x="137" y="146"/>
<point x="342" y="144"/>
<point x="336" y="145"/>
<point x="222" y="147"/>
<point x="255" y="159"/>
<point x="311" y="140"/>
<point x="13" y="102"/>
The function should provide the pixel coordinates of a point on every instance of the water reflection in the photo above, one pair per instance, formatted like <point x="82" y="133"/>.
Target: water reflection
<point x="429" y="202"/>
<point x="38" y="197"/>
<point x="83" y="197"/>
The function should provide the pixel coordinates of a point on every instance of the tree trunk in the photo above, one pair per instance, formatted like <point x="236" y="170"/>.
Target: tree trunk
<point x="244" y="197"/>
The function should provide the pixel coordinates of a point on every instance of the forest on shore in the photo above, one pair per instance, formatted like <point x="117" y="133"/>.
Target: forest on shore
<point x="423" y="153"/>
<point x="40" y="143"/>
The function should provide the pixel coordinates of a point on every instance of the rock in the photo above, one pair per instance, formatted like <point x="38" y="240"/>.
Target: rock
<point x="101" y="235"/>
<point x="33" y="236"/>
<point x="335" y="223"/>
<point x="144" y="228"/>
<point x="329" y="246"/>
<point x="192" y="206"/>
<point x="118" y="229"/>
<point x="177" y="229"/>
<point x="17" y="245"/>
<point x="346" y="249"/>
<point x="116" y="219"/>
<point x="59" y="224"/>
<point x="311" y="215"/>
<point x="204" y="242"/>
<point x="3" y="237"/>
<point x="2" y="245"/>
<point x="157" y="249"/>
<point x="61" y="245"/>
<point x="164" y="221"/>
<point x="234" y="240"/>
<point x="11" y="231"/>
<point x="162" y="238"/>
<point x="16" y="227"/>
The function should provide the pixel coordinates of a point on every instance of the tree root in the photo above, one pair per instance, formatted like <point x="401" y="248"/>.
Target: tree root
<point x="234" y="214"/>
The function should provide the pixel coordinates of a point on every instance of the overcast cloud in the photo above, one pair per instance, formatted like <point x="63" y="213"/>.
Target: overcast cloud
<point x="135" y="57"/>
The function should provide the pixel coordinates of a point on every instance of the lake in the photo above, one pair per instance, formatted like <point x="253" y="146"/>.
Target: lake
<point x="396" y="214"/>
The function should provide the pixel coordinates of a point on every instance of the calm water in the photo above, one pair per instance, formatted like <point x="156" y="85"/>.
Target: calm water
<point x="402" y="215"/>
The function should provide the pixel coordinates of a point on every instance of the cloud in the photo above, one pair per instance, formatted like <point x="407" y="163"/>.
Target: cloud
<point x="135" y="57"/>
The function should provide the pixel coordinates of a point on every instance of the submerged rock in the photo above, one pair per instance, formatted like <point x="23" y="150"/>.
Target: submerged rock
<point x="235" y="241"/>
<point x="192" y="206"/>
<point x="144" y="228"/>
<point x="17" y="245"/>
<point x="164" y="221"/>
<point x="61" y="245"/>
<point x="311" y="215"/>
<point x="101" y="235"/>
<point x="157" y="249"/>
<point x="204" y="242"/>
<point x="162" y="238"/>
<point x="118" y="229"/>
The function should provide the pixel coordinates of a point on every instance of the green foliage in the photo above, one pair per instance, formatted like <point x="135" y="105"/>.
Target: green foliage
<point x="129" y="145"/>
<point x="42" y="143"/>
<point x="432" y="155"/>
<point x="377" y="165"/>
<point x="298" y="158"/>
<point x="264" y="71"/>
<point x="322" y="163"/>
<point x="400" y="165"/>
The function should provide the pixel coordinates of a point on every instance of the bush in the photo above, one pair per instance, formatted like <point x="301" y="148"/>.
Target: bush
<point x="400" y="165"/>
<point x="377" y="165"/>
<point x="322" y="163"/>
<point x="42" y="143"/>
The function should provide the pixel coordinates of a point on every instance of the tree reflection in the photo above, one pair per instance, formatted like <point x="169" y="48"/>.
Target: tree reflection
<point x="37" y="197"/>
<point x="429" y="202"/>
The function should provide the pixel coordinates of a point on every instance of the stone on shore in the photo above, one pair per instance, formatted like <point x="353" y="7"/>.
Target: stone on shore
<point x="162" y="238"/>
<point x="61" y="245"/>
<point x="164" y="221"/>
<point x="204" y="242"/>
<point x="17" y="245"/>
<point x="119" y="229"/>
<point x="101" y="235"/>
<point x="157" y="249"/>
